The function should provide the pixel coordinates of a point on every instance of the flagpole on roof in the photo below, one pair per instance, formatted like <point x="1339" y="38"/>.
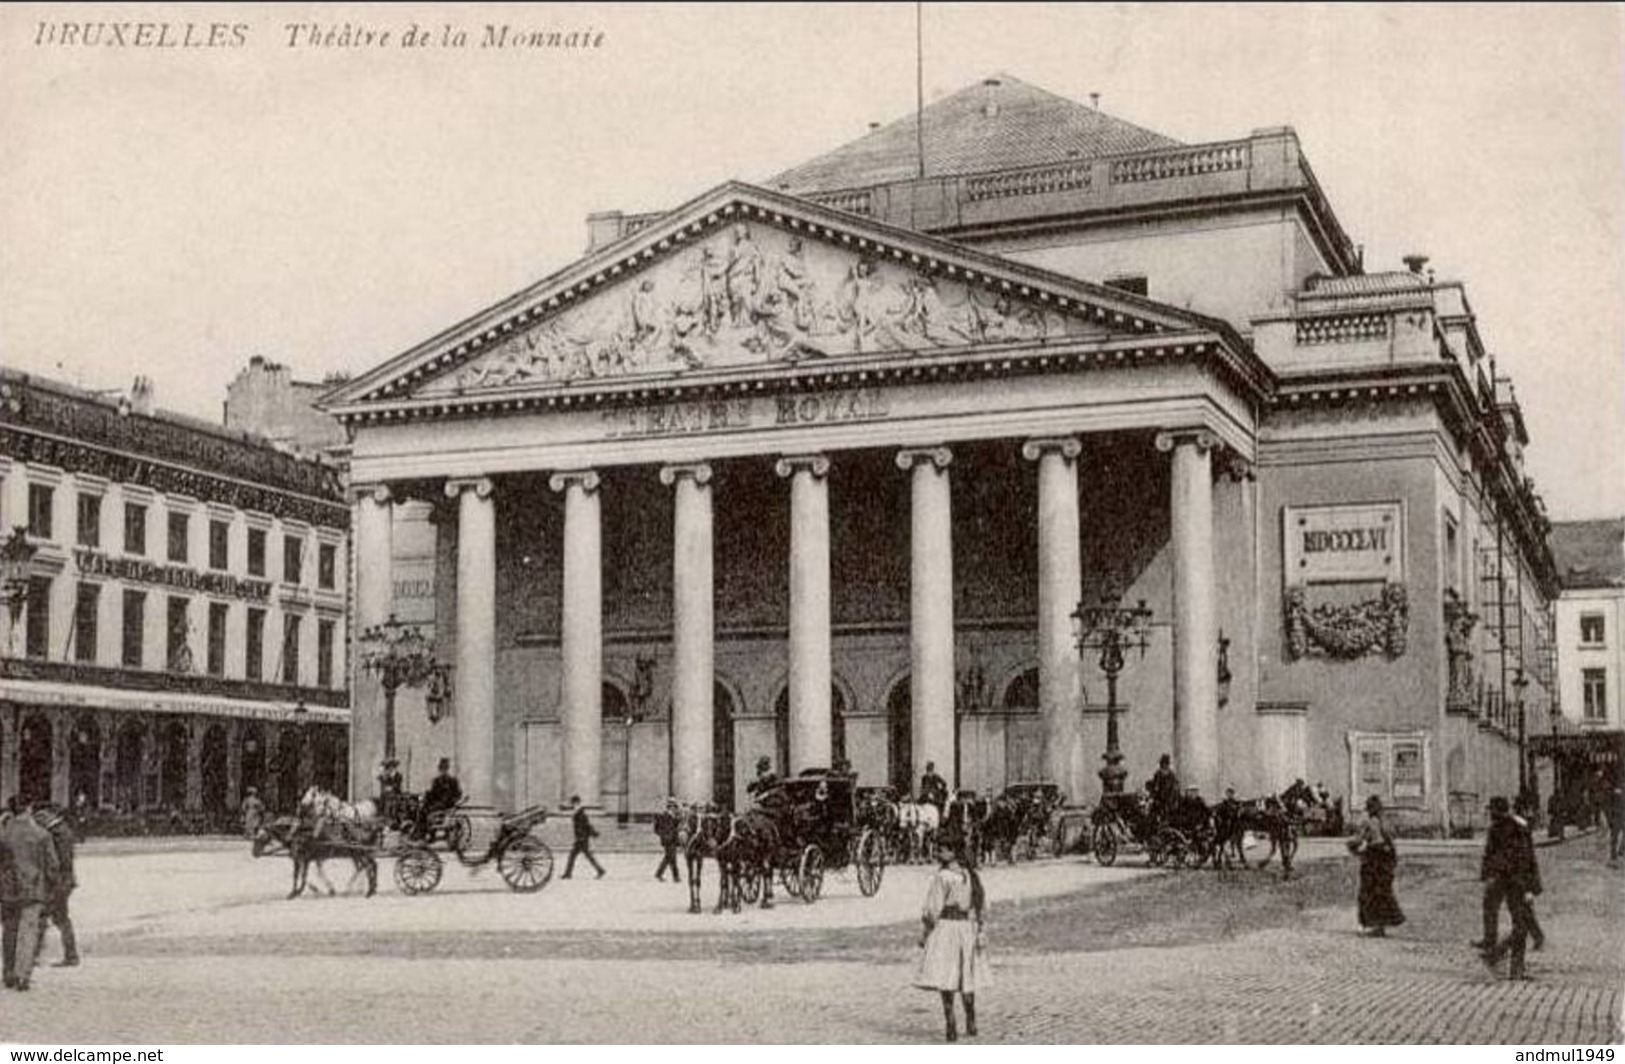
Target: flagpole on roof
<point x="919" y="84"/>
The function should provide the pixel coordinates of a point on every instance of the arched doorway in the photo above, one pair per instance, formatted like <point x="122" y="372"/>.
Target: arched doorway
<point x="781" y="728"/>
<point x="85" y="763"/>
<point x="132" y="740"/>
<point x="615" y="753"/>
<point x="34" y="759"/>
<point x="723" y="711"/>
<point x="214" y="772"/>
<point x="172" y="765"/>
<point x="900" y="737"/>
<point x="1023" y="730"/>
<point x="253" y="768"/>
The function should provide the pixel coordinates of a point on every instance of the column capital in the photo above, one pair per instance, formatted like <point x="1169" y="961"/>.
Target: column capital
<point x="909" y="457"/>
<point x="378" y="493"/>
<point x="816" y="464"/>
<point x="587" y="479"/>
<point x="1069" y="447"/>
<point x="1202" y="438"/>
<point x="480" y="486"/>
<point x="699" y="472"/>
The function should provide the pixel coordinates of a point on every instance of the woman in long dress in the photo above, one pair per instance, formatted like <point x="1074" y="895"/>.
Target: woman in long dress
<point x="1374" y="845"/>
<point x="952" y="960"/>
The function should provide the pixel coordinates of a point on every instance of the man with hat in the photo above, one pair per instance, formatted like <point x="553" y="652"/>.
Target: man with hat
<point x="390" y="785"/>
<point x="668" y="825"/>
<point x="765" y="779"/>
<point x="444" y="794"/>
<point x="581" y="827"/>
<point x="1510" y="874"/>
<point x="28" y="874"/>
<point x="253" y="812"/>
<point x="56" y="907"/>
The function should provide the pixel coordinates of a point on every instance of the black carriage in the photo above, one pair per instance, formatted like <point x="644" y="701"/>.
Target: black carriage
<point x="475" y="837"/>
<point x="1129" y="819"/>
<point x="822" y="828"/>
<point x="1036" y="815"/>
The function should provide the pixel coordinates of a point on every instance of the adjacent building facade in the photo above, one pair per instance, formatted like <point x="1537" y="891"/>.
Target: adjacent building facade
<point x="175" y="630"/>
<point x="1591" y="655"/>
<point x="820" y="470"/>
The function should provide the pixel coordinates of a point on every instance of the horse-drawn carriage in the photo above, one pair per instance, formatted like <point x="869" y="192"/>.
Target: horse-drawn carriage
<point x="1024" y="821"/>
<point x="1130" y="818"/>
<point x="821" y="827"/>
<point x="328" y="827"/>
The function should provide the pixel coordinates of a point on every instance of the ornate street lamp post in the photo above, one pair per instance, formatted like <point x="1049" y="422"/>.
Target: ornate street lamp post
<point x="16" y="564"/>
<point x="1113" y="630"/>
<point x="400" y="657"/>
<point x="1520" y="680"/>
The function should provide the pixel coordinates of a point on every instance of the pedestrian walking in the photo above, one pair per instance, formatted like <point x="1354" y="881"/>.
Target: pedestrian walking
<point x="56" y="824"/>
<point x="28" y="873"/>
<point x="1374" y="845"/>
<point x="584" y="833"/>
<point x="253" y="813"/>
<point x="952" y="958"/>
<point x="1510" y="869"/>
<point x="1495" y="896"/>
<point x="668" y="825"/>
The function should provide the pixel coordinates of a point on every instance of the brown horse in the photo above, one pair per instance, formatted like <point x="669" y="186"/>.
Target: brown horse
<point x="305" y="847"/>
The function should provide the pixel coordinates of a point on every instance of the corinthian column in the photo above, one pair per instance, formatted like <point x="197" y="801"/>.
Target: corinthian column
<point x="809" y="610"/>
<point x="475" y="675"/>
<point x="374" y="601"/>
<point x="1060" y="583"/>
<point x="931" y="611"/>
<point x="583" y="639"/>
<point x="693" y="653"/>
<point x="1196" y="698"/>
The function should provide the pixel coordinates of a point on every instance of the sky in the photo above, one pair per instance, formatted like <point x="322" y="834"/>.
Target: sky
<point x="173" y="211"/>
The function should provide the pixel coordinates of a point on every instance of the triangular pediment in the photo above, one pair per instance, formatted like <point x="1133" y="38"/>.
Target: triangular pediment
<point x="744" y="279"/>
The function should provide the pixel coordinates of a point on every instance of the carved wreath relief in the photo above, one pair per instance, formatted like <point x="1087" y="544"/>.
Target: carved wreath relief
<point x="1375" y="626"/>
<point x="755" y="293"/>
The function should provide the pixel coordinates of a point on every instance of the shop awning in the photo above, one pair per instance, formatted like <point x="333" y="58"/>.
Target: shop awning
<point x="1596" y="747"/>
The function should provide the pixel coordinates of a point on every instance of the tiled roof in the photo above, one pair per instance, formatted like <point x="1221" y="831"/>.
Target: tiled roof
<point x="1367" y="284"/>
<point x="1000" y="124"/>
<point x="1590" y="553"/>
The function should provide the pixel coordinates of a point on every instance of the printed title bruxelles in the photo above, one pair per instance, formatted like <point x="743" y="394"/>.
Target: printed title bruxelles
<point x="306" y="35"/>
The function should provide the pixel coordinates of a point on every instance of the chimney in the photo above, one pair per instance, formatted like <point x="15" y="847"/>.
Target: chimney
<point x="873" y="126"/>
<point x="1094" y="100"/>
<point x="1415" y="262"/>
<point x="141" y="396"/>
<point x="991" y="107"/>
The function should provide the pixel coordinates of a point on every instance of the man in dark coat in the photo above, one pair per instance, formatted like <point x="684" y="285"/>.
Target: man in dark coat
<point x="444" y="793"/>
<point x="934" y="789"/>
<point x="28" y="874"/>
<point x="667" y="828"/>
<point x="584" y="832"/>
<point x="56" y="823"/>
<point x="1510" y="871"/>
<point x="1163" y="786"/>
<point x="765" y="779"/>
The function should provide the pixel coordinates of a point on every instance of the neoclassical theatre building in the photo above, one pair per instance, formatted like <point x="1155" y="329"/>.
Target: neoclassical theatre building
<point x="819" y="469"/>
<point x="175" y="621"/>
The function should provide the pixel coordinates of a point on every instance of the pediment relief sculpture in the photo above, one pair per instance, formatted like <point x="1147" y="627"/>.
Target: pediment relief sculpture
<point x="751" y="293"/>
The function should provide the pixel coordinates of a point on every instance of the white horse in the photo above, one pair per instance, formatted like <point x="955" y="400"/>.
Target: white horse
<point x="324" y="811"/>
<point x="918" y="822"/>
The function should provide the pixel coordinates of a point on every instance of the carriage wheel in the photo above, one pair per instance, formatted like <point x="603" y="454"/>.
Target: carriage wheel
<point x="526" y="864"/>
<point x="458" y="832"/>
<point x="871" y="863"/>
<point x="417" y="870"/>
<point x="1105" y="844"/>
<point x="811" y="873"/>
<point x="1173" y="847"/>
<point x="790" y="876"/>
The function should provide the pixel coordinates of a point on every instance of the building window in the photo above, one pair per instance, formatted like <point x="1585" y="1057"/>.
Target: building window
<point x="256" y="552"/>
<point x="41" y="497"/>
<point x="1595" y="684"/>
<point x="327" y="561"/>
<point x="179" y="525"/>
<point x="254" y="645"/>
<point x="219" y="545"/>
<point x="85" y="609"/>
<point x="290" y="649"/>
<point x="90" y="520"/>
<point x="1593" y="630"/>
<point x="135" y="528"/>
<point x="135" y="627"/>
<point x="217" y="639"/>
<point x="39" y="617"/>
<point x="177" y="651"/>
<point x="324" y="653"/>
<point x="293" y="556"/>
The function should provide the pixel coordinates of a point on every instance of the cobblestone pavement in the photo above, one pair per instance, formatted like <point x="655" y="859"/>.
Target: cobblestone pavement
<point x="165" y="966"/>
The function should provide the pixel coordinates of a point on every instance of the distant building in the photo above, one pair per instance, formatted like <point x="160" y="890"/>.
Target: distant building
<point x="264" y="400"/>
<point x="818" y="470"/>
<point x="179" y="634"/>
<point x="1590" y="642"/>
